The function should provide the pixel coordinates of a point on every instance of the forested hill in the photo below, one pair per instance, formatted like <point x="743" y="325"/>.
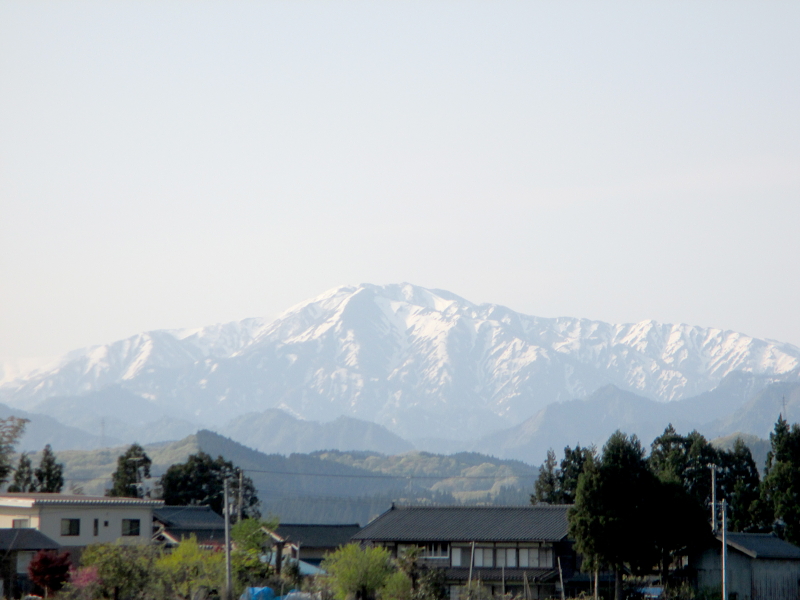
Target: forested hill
<point x="329" y="487"/>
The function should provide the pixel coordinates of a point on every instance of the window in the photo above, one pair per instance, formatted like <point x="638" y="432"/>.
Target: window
<point x="96" y="527"/>
<point x="20" y="523"/>
<point x="24" y="558"/>
<point x="529" y="557"/>
<point x="524" y="561"/>
<point x="437" y="551"/>
<point x="483" y="557"/>
<point x="511" y="557"/>
<point x="456" y="557"/>
<point x="70" y="526"/>
<point x="545" y="557"/>
<point x="506" y="557"/>
<point x="130" y="527"/>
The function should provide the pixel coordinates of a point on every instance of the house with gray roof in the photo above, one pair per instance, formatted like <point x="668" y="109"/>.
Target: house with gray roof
<point x="171" y="524"/>
<point x="760" y="566"/>
<point x="522" y="550"/>
<point x="18" y="546"/>
<point x="311" y="543"/>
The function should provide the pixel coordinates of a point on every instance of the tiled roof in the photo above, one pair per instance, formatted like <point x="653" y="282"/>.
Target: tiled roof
<point x="317" y="536"/>
<point x="468" y="524"/>
<point x="25" y="539"/>
<point x="27" y="499"/>
<point x="182" y="522"/>
<point x="762" y="545"/>
<point x="189" y="517"/>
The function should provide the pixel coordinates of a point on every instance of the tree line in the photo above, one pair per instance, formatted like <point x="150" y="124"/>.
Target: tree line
<point x="633" y="510"/>
<point x="200" y="480"/>
<point x="47" y="477"/>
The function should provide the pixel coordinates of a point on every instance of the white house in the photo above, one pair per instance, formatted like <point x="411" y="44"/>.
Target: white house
<point x="77" y="521"/>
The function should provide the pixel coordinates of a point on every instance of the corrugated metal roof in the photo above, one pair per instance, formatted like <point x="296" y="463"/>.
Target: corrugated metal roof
<point x="317" y="536"/>
<point x="762" y="545"/>
<point x="25" y="539"/>
<point x="468" y="524"/>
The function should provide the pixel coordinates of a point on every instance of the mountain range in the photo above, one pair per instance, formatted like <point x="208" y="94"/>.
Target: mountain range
<point x="390" y="368"/>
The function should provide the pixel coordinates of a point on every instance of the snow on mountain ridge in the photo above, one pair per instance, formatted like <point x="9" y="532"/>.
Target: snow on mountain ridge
<point x="414" y="359"/>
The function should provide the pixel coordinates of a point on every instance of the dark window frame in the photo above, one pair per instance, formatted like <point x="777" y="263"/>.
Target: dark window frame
<point x="131" y="527"/>
<point x="70" y="527"/>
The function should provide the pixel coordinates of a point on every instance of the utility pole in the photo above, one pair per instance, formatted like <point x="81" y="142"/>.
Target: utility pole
<point x="241" y="496"/>
<point x="713" y="497"/>
<point x="724" y="550"/>
<point x="471" y="562"/>
<point x="227" y="515"/>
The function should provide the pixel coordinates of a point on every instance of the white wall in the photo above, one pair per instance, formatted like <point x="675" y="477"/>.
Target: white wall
<point x="109" y="524"/>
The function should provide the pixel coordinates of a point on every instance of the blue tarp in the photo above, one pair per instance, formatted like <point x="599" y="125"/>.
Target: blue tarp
<point x="258" y="593"/>
<point x="267" y="593"/>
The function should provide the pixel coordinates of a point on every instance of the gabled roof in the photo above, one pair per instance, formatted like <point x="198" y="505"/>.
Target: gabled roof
<point x="25" y="539"/>
<point x="189" y="517"/>
<point x="468" y="524"/>
<point x="28" y="500"/>
<point x="762" y="545"/>
<point x="317" y="536"/>
<point x="181" y="522"/>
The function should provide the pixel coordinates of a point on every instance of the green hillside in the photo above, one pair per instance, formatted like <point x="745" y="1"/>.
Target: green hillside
<point x="327" y="486"/>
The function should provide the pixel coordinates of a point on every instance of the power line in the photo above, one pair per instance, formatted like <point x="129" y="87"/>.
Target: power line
<point x="350" y="476"/>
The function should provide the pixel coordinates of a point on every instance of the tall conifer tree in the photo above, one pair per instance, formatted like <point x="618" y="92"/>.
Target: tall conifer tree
<point x="49" y="474"/>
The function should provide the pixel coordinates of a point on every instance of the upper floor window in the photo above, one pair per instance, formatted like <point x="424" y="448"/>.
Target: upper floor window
<point x="20" y="523"/>
<point x="438" y="550"/>
<point x="455" y="554"/>
<point x="536" y="557"/>
<point x="130" y="527"/>
<point x="507" y="557"/>
<point x="70" y="526"/>
<point x="484" y="557"/>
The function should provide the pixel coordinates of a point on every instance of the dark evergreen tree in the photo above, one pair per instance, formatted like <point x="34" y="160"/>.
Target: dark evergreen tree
<point x="669" y="455"/>
<point x="49" y="473"/>
<point x="132" y="468"/>
<point x="545" y="489"/>
<point x="688" y="461"/>
<point x="778" y="506"/>
<point x="558" y="484"/>
<point x="740" y="486"/>
<point x="11" y="429"/>
<point x="611" y="519"/>
<point x="679" y="523"/>
<point x="200" y="480"/>
<point x="23" y="476"/>
<point x="572" y="466"/>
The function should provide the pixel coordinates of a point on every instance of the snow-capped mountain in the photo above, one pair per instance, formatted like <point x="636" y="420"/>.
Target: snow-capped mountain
<point x="424" y="363"/>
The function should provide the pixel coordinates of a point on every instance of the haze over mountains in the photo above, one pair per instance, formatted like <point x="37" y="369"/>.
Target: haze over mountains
<point x="413" y="367"/>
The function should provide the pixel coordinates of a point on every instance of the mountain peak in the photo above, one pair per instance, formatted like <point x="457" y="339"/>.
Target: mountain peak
<point x="423" y="362"/>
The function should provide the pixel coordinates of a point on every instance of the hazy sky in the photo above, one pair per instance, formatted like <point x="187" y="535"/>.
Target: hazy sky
<point x="175" y="164"/>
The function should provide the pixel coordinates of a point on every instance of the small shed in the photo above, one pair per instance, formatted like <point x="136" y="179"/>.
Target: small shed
<point x="760" y="566"/>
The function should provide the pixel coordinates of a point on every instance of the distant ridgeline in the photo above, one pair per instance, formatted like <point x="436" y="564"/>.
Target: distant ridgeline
<point x="332" y="486"/>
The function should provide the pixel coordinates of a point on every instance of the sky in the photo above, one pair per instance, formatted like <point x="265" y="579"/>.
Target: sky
<point x="179" y="164"/>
